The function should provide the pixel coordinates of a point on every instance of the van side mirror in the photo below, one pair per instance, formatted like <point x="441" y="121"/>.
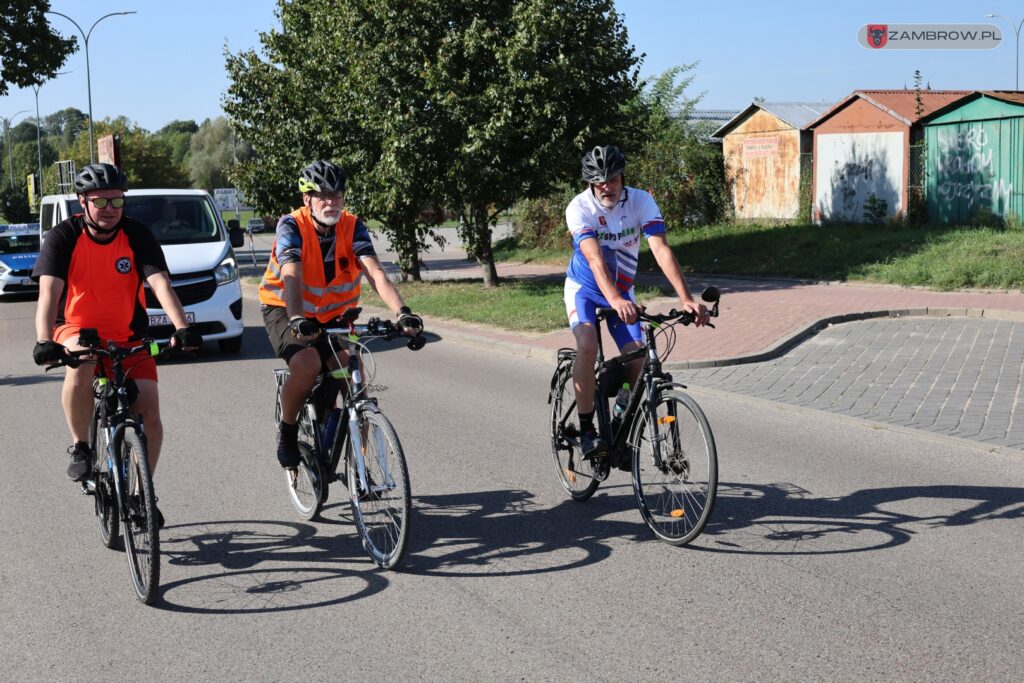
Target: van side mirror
<point x="236" y="234"/>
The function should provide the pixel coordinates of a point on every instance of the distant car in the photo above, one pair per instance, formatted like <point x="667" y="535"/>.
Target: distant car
<point x="254" y="225"/>
<point x="19" y="247"/>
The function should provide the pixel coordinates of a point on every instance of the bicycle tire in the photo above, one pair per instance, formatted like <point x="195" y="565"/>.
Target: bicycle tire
<point x="383" y="513"/>
<point x="677" y="498"/>
<point x="104" y="497"/>
<point x="306" y="491"/>
<point x="141" y="534"/>
<point x="574" y="473"/>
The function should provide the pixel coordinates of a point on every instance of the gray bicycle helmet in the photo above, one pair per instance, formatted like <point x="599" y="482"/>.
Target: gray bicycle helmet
<point x="100" y="177"/>
<point x="603" y="163"/>
<point x="323" y="176"/>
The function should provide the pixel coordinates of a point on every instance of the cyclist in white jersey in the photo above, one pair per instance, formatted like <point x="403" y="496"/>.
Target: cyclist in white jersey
<point x="606" y="221"/>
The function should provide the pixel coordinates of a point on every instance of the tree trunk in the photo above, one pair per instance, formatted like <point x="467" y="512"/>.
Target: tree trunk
<point x="477" y="239"/>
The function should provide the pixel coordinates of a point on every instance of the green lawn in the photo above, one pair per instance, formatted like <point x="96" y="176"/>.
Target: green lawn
<point x="524" y="305"/>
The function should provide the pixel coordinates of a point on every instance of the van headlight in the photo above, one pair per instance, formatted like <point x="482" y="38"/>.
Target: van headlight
<point x="4" y="269"/>
<point x="226" y="271"/>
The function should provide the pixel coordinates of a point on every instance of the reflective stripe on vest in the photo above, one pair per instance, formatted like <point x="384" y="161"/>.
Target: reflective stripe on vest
<point x="320" y="299"/>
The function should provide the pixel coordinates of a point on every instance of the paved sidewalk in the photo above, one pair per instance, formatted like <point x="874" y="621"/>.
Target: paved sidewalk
<point x="759" y="319"/>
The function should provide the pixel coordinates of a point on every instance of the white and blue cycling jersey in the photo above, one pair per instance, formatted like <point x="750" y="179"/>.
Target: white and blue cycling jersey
<point x="618" y="232"/>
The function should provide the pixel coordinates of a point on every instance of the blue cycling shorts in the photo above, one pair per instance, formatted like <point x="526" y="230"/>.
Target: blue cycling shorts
<point x="581" y="307"/>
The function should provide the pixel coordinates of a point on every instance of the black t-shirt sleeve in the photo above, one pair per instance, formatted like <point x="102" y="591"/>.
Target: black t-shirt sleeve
<point x="362" y="243"/>
<point x="149" y="257"/>
<point x="55" y="256"/>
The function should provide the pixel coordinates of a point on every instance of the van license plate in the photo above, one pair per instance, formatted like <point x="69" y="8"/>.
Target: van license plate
<point x="164" y="320"/>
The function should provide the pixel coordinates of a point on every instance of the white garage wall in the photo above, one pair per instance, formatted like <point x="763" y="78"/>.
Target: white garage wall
<point x="850" y="167"/>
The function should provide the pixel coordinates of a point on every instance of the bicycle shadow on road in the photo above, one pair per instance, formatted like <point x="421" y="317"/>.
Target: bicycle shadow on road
<point x="258" y="566"/>
<point x="506" y="532"/>
<point x="785" y="519"/>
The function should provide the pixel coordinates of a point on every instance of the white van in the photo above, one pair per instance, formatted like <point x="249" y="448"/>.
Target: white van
<point x="198" y="249"/>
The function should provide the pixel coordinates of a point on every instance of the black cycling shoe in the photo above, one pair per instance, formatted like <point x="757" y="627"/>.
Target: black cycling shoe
<point x="288" y="446"/>
<point x="592" y="445"/>
<point x="81" y="461"/>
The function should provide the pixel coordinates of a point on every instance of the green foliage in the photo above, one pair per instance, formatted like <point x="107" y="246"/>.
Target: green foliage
<point x="213" y="151"/>
<point x="30" y="51"/>
<point x="145" y="157"/>
<point x="875" y="210"/>
<point x="65" y="125"/>
<point x="540" y="223"/>
<point x="177" y="135"/>
<point x="14" y="204"/>
<point x="674" y="159"/>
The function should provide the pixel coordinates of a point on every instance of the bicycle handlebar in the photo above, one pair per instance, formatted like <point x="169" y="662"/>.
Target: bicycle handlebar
<point x="73" y="359"/>
<point x="710" y="295"/>
<point x="376" y="328"/>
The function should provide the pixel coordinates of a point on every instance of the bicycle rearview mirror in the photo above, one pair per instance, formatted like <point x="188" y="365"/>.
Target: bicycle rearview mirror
<point x="711" y="294"/>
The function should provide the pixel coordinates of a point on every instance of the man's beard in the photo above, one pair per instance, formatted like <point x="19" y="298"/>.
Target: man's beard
<point x="325" y="220"/>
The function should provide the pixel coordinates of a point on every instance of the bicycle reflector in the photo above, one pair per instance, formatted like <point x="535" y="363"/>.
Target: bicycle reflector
<point x="677" y="513"/>
<point x="667" y="420"/>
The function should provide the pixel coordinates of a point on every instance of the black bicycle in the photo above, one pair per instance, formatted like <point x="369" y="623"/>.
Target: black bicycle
<point x="121" y="483"/>
<point x="662" y="435"/>
<point x="359" y="437"/>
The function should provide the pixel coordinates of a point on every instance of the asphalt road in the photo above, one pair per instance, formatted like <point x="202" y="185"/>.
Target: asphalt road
<point x="840" y="549"/>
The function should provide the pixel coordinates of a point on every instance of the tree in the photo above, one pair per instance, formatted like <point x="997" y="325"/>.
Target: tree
<point x="177" y="135"/>
<point x="14" y="204"/>
<point x="518" y="83"/>
<point x="30" y="51"/>
<point x="65" y="125"/>
<point x="146" y="159"/>
<point x="213" y="152"/>
<point x="673" y="157"/>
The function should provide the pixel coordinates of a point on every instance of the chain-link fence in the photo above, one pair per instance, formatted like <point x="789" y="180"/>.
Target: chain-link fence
<point x="916" y="211"/>
<point x="806" y="177"/>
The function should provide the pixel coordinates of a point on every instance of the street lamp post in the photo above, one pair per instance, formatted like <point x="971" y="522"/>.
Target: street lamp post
<point x="39" y="142"/>
<point x="88" y="78"/>
<point x="1016" y="30"/>
<point x="7" y="142"/>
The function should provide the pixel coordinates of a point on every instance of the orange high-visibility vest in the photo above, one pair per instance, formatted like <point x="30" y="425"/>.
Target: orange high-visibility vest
<point x="320" y="299"/>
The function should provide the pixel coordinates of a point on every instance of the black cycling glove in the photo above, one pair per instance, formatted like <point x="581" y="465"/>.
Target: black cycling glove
<point x="408" y="321"/>
<point x="187" y="338"/>
<point x="303" y="327"/>
<point x="47" y="352"/>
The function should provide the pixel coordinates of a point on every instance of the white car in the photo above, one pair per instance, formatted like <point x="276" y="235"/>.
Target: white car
<point x="199" y="254"/>
<point x="19" y="248"/>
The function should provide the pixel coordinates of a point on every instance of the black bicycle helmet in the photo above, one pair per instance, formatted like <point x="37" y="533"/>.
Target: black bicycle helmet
<point x="603" y="163"/>
<point x="323" y="176"/>
<point x="100" y="177"/>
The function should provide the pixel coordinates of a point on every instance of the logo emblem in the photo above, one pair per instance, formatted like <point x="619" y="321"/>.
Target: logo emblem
<point x="602" y="221"/>
<point x="878" y="35"/>
<point x="123" y="265"/>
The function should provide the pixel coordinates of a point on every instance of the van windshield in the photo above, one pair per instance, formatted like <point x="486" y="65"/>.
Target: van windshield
<point x="18" y="244"/>
<point x="175" y="219"/>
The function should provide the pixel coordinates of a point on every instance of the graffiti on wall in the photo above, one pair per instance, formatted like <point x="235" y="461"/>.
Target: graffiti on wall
<point x="966" y="173"/>
<point x="857" y="170"/>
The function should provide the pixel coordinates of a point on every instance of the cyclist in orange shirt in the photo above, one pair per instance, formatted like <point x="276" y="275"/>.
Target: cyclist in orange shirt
<point x="90" y="272"/>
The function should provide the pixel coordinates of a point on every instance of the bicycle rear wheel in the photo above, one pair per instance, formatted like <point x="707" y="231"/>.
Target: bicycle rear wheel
<point x="141" y="535"/>
<point x="307" y="491"/>
<point x="676" y="497"/>
<point x="575" y="474"/>
<point x="382" y="509"/>
<point x="104" y="497"/>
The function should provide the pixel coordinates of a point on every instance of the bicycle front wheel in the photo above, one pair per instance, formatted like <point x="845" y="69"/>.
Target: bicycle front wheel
<point x="676" y="492"/>
<point x="141" y="534"/>
<point x="104" y="498"/>
<point x="382" y="503"/>
<point x="575" y="474"/>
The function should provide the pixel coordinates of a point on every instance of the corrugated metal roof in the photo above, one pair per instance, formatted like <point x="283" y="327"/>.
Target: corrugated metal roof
<point x="901" y="104"/>
<point x="713" y="114"/>
<point x="796" y="114"/>
<point x="1014" y="96"/>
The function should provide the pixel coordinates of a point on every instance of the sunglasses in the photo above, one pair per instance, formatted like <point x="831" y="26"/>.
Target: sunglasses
<point x="101" y="202"/>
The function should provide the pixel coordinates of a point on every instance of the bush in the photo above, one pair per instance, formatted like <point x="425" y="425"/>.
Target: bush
<point x="540" y="223"/>
<point x="14" y="205"/>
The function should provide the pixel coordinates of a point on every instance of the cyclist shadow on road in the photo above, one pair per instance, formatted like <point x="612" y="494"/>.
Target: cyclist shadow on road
<point x="785" y="519"/>
<point x="254" y="566"/>
<point x="509" y="533"/>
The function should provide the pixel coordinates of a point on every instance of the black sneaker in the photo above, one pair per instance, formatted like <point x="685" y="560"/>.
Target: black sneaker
<point x="288" y="446"/>
<point x="592" y="445"/>
<point x="81" y="461"/>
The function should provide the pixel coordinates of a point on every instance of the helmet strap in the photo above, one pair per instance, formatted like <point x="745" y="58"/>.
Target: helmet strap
<point x="92" y="224"/>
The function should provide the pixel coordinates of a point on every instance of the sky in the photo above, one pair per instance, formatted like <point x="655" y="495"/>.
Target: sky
<point x="167" y="61"/>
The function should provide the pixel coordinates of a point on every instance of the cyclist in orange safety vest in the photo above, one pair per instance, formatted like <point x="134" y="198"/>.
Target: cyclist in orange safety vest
<point x="320" y="254"/>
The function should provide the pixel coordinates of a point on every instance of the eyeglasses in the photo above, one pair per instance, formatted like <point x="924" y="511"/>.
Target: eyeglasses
<point x="101" y="202"/>
<point x="328" y="196"/>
